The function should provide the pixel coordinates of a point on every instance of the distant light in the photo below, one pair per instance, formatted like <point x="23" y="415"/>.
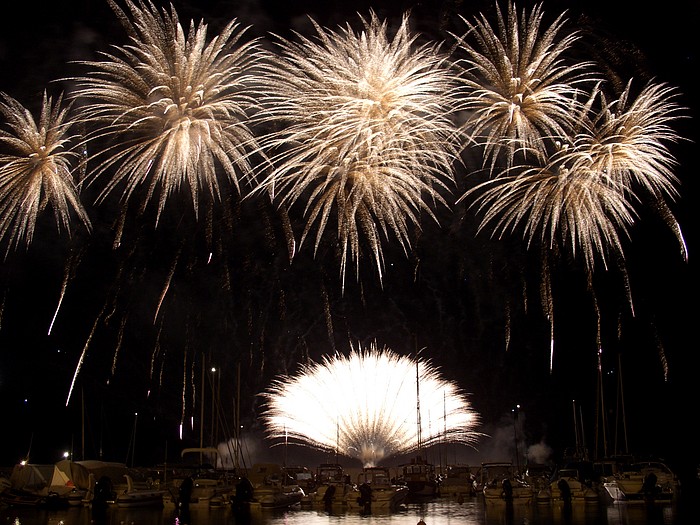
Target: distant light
<point x="213" y="369"/>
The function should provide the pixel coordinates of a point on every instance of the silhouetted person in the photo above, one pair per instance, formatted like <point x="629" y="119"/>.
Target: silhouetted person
<point x="365" y="499"/>
<point x="328" y="496"/>
<point x="564" y="490"/>
<point x="183" y="500"/>
<point x="649" y="486"/>
<point x="507" y="490"/>
<point x="241" y="501"/>
<point x="100" y="500"/>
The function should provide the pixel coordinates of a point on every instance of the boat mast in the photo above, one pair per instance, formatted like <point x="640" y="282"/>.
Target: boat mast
<point x="201" y="413"/>
<point x="621" y="405"/>
<point x="418" y="432"/>
<point x="600" y="408"/>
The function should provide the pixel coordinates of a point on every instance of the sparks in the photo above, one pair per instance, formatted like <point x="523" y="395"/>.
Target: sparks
<point x="363" y="406"/>
<point x="363" y="134"/>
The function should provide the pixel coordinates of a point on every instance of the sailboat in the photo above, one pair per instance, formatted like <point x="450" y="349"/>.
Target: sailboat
<point x="419" y="475"/>
<point x="214" y="483"/>
<point x="624" y="478"/>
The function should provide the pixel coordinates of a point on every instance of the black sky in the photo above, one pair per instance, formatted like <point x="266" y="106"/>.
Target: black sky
<point x="449" y="296"/>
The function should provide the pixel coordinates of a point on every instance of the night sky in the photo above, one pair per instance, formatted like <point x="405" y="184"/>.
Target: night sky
<point x="454" y="294"/>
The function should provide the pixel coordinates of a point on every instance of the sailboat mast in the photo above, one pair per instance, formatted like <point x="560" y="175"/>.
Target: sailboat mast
<point x="418" y="432"/>
<point x="621" y="405"/>
<point x="600" y="408"/>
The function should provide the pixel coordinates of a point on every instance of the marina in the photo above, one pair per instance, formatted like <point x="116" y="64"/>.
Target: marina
<point x="441" y="511"/>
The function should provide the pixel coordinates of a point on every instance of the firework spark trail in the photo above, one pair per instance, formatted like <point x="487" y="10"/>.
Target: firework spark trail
<point x="120" y="339"/>
<point x="68" y="274"/>
<point x="166" y="286"/>
<point x="36" y="170"/>
<point x="363" y="134"/>
<point x="64" y="286"/>
<point x="363" y="406"/>
<point x="79" y="366"/>
<point x="171" y="107"/>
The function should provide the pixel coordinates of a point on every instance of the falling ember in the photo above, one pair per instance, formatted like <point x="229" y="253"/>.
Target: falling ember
<point x="60" y="300"/>
<point x="82" y="357"/>
<point x="166" y="286"/>
<point x="68" y="273"/>
<point x="364" y="406"/>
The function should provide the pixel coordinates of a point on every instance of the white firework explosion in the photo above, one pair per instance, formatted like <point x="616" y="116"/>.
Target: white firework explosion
<point x="366" y="406"/>
<point x="363" y="135"/>
<point x="519" y="88"/>
<point x="172" y="107"/>
<point x="37" y="165"/>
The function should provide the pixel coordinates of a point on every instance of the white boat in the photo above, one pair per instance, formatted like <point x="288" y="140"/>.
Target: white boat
<point x="212" y="485"/>
<point x="458" y="482"/>
<point x="332" y="486"/>
<point x="40" y="485"/>
<point x="139" y="496"/>
<point x="271" y="489"/>
<point x="567" y="489"/>
<point x="642" y="481"/>
<point x="500" y="484"/>
<point x="420" y="478"/>
<point x="375" y="492"/>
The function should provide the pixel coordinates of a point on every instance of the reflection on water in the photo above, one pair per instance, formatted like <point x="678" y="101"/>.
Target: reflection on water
<point x="438" y="512"/>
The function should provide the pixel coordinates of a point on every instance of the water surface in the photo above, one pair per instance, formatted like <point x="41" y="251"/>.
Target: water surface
<point x="437" y="512"/>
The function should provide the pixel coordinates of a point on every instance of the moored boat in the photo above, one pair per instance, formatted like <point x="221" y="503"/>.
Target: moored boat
<point x="212" y="486"/>
<point x="41" y="486"/>
<point x="420" y="478"/>
<point x="270" y="489"/>
<point x="139" y="496"/>
<point x="375" y="492"/>
<point x="567" y="488"/>
<point x="501" y="485"/>
<point x="458" y="482"/>
<point x="641" y="481"/>
<point x="332" y="486"/>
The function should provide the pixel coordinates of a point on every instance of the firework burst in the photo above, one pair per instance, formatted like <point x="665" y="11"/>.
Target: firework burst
<point x="362" y="134"/>
<point x="36" y="169"/>
<point x="582" y="199"/>
<point x="519" y="89"/>
<point x="364" y="406"/>
<point x="171" y="107"/>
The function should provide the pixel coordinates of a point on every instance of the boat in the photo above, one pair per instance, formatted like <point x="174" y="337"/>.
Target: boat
<point x="39" y="485"/>
<point x="139" y="495"/>
<point x="420" y="478"/>
<point x="304" y="478"/>
<point x="332" y="486"/>
<point x="376" y="492"/>
<point x="419" y="475"/>
<point x="212" y="486"/>
<point x="86" y="473"/>
<point x="650" y="480"/>
<point x="567" y="488"/>
<point x="271" y="489"/>
<point x="500" y="484"/>
<point x="458" y="482"/>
